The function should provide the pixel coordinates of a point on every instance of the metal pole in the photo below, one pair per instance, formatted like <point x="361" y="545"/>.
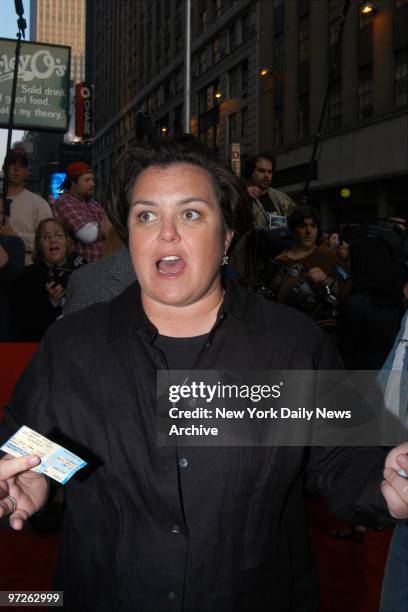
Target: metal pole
<point x="21" y="28"/>
<point x="187" y="66"/>
<point x="305" y="195"/>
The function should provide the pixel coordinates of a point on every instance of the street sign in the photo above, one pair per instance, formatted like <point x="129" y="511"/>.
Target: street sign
<point x="236" y="158"/>
<point x="42" y="96"/>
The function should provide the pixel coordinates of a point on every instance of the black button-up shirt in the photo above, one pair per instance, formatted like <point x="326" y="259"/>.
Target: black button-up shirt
<point x="192" y="529"/>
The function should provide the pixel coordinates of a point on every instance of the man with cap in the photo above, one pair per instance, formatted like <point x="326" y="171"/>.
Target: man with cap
<point x="83" y="217"/>
<point x="24" y="208"/>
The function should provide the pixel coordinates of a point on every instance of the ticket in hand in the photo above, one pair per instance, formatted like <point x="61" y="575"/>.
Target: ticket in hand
<point x="56" y="461"/>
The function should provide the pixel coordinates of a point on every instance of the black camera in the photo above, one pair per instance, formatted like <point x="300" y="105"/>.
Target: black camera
<point x="59" y="276"/>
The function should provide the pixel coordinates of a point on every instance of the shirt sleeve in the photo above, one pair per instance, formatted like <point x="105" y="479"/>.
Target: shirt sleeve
<point x="74" y="214"/>
<point x="42" y="211"/>
<point x="348" y="477"/>
<point x="88" y="233"/>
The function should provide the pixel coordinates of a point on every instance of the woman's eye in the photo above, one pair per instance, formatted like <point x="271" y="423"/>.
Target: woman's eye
<point x="146" y="216"/>
<point x="191" y="215"/>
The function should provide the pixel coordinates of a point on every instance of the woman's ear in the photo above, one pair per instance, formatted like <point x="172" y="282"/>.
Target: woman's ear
<point x="228" y="236"/>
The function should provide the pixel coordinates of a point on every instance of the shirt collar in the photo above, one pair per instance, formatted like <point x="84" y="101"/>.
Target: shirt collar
<point x="127" y="314"/>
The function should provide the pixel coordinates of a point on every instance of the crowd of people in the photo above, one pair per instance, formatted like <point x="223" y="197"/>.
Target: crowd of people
<point x="196" y="252"/>
<point x="41" y="246"/>
<point x="353" y="291"/>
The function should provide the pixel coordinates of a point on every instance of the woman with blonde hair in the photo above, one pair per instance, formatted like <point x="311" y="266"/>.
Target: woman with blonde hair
<point x="40" y="291"/>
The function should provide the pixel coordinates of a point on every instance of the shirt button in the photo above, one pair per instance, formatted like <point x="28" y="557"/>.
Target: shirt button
<point x="176" y="529"/>
<point x="192" y="402"/>
<point x="207" y="345"/>
<point x="172" y="595"/>
<point x="183" y="462"/>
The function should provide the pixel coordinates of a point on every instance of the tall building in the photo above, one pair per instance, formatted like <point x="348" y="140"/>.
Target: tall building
<point x="259" y="75"/>
<point x="363" y="146"/>
<point x="61" y="22"/>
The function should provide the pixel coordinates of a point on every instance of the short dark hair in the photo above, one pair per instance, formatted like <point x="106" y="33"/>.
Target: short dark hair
<point x="230" y="191"/>
<point x="299" y="214"/>
<point x="251" y="163"/>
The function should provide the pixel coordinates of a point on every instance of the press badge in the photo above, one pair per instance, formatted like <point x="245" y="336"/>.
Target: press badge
<point x="56" y="461"/>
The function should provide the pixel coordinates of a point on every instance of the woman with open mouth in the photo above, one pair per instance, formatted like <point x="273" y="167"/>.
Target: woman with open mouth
<point x="155" y="527"/>
<point x="40" y="291"/>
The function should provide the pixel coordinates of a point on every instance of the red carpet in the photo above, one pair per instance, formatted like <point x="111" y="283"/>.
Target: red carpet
<point x="350" y="572"/>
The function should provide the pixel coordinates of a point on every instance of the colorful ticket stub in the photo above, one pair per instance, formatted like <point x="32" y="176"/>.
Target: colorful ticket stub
<point x="56" y="461"/>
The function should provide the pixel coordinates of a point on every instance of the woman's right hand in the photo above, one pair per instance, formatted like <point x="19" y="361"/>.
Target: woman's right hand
<point x="55" y="292"/>
<point x="28" y="489"/>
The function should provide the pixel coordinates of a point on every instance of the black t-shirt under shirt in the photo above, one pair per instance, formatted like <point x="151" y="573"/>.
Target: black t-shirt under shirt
<point x="267" y="203"/>
<point x="181" y="353"/>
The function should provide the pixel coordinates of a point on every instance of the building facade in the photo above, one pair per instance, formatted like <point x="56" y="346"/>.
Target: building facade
<point x="363" y="144"/>
<point x="136" y="58"/>
<point x="61" y="22"/>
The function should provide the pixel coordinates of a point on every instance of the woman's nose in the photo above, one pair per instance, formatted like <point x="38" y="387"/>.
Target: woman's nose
<point x="168" y="230"/>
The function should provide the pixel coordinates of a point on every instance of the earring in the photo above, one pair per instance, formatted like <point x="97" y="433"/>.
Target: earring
<point x="225" y="259"/>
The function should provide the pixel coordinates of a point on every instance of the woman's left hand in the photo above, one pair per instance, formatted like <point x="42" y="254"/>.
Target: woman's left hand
<point x="395" y="487"/>
<point x="56" y="293"/>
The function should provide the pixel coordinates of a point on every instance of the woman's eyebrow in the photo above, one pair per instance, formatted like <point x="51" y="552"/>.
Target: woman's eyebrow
<point x="144" y="203"/>
<point x="188" y="200"/>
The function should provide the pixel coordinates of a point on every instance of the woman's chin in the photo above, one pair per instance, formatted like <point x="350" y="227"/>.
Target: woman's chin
<point x="55" y="261"/>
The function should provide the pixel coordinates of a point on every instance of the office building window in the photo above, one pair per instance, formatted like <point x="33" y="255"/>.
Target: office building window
<point x="244" y="122"/>
<point x="195" y="66"/>
<point x="232" y="128"/>
<point x="401" y="78"/>
<point x="178" y="119"/>
<point x="179" y="80"/>
<point x="208" y="122"/>
<point x="365" y="93"/>
<point x="335" y="12"/>
<point x="160" y="95"/>
<point x="248" y="24"/>
<point x="207" y="99"/>
<point x="179" y="37"/>
<point x="233" y="82"/>
<point x="245" y="27"/>
<point x="218" y="9"/>
<point x="278" y="54"/>
<point x="304" y="39"/>
<point x="232" y="37"/>
<point x="203" y="20"/>
<point x="244" y="78"/>
<point x="335" y="107"/>
<point x="216" y="50"/>
<point x="203" y="61"/>
<point x="303" y="117"/>
<point x="278" y="127"/>
<point x="151" y="103"/>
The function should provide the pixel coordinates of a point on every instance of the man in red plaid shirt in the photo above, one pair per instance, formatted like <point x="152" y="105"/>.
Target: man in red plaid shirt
<point x="83" y="217"/>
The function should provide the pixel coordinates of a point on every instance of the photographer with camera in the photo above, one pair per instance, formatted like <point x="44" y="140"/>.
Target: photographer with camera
<point x="43" y="284"/>
<point x="308" y="277"/>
